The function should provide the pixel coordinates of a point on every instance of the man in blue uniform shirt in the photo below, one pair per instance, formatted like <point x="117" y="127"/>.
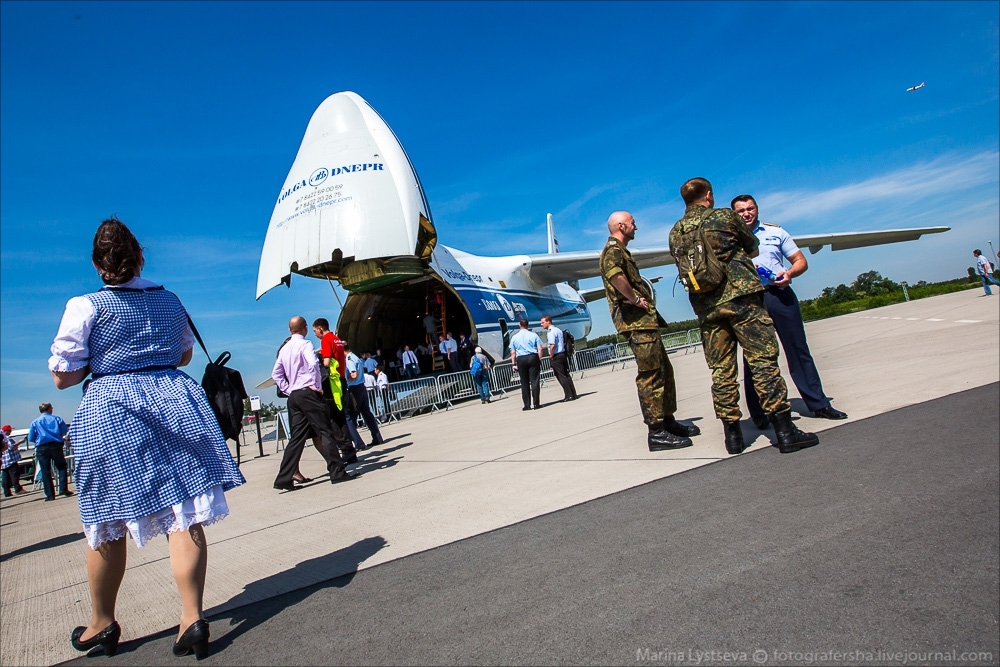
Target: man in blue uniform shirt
<point x="48" y="433"/>
<point x="559" y="359"/>
<point x="526" y="355"/>
<point x="776" y="245"/>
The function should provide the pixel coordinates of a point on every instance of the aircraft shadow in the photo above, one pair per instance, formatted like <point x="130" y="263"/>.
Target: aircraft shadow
<point x="50" y="543"/>
<point x="249" y="612"/>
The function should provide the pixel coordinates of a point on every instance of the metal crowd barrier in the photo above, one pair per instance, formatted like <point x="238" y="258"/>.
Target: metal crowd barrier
<point x="401" y="399"/>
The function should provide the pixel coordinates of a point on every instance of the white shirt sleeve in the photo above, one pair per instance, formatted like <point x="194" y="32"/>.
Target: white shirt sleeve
<point x="70" y="349"/>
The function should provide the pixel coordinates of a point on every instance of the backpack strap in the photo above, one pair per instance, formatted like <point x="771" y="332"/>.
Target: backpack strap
<point x="197" y="337"/>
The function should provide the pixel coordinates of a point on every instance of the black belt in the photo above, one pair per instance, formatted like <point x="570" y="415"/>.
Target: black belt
<point x="144" y="369"/>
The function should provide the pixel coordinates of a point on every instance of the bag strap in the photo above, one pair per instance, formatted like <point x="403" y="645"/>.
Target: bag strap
<point x="197" y="337"/>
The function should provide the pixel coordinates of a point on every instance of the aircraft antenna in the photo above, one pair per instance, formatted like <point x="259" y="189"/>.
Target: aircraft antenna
<point x="333" y="287"/>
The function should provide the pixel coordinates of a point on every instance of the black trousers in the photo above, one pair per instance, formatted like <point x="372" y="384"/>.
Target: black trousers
<point x="560" y="366"/>
<point x="783" y="307"/>
<point x="339" y="418"/>
<point x="529" y="369"/>
<point x="308" y="418"/>
<point x="364" y="410"/>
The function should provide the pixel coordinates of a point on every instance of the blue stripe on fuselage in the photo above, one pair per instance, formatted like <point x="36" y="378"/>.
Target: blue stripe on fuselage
<point x="488" y="306"/>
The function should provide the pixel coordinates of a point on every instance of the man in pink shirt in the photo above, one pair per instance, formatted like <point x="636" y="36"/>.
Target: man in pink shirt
<point x="297" y="374"/>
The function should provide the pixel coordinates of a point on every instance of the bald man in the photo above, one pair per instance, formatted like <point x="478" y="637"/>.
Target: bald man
<point x="297" y="374"/>
<point x="634" y="313"/>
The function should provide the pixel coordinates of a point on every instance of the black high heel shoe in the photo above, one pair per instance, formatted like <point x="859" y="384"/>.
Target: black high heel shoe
<point x="194" y="639"/>
<point x="108" y="638"/>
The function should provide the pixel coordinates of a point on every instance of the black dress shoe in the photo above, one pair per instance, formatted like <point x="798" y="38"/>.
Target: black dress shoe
<point x="304" y="480"/>
<point x="290" y="486"/>
<point x="830" y="413"/>
<point x="194" y="640"/>
<point x="661" y="439"/>
<point x="761" y="422"/>
<point x="525" y="409"/>
<point x="70" y="494"/>
<point x="671" y="425"/>
<point x="108" y="638"/>
<point x="353" y="458"/>
<point x="346" y="478"/>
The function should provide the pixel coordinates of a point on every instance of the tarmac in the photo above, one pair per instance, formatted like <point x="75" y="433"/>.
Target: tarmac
<point x="487" y="535"/>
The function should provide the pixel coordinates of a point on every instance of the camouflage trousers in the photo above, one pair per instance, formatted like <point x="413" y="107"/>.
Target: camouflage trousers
<point x="655" y="379"/>
<point x="744" y="321"/>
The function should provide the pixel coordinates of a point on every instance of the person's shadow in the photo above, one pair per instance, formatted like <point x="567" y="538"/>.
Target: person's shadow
<point x="244" y="612"/>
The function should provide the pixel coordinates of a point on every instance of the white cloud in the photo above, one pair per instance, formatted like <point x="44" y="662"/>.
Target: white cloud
<point x="946" y="175"/>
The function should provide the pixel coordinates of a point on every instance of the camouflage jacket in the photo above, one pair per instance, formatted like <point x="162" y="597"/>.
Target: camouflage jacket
<point x="732" y="242"/>
<point x="617" y="259"/>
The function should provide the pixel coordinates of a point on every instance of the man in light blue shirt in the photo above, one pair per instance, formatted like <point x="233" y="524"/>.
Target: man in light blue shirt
<point x="370" y="364"/>
<point x="776" y="245"/>
<point x="526" y="355"/>
<point x="356" y="388"/>
<point x="984" y="271"/>
<point x="47" y="432"/>
<point x="559" y="359"/>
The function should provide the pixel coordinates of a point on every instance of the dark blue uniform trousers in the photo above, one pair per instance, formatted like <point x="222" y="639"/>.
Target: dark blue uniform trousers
<point x="783" y="307"/>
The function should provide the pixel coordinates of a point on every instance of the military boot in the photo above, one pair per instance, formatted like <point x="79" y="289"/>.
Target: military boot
<point x="734" y="437"/>
<point x="790" y="438"/>
<point x="660" y="439"/>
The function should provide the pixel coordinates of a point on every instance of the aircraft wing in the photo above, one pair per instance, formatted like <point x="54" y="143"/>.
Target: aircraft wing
<point x="562" y="266"/>
<point x="567" y="266"/>
<point x="848" y="240"/>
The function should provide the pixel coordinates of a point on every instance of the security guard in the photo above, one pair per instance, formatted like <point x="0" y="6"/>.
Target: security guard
<point x="732" y="313"/>
<point x="782" y="305"/>
<point x="634" y="315"/>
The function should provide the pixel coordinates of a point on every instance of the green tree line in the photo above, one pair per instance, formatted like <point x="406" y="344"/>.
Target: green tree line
<point x="869" y="290"/>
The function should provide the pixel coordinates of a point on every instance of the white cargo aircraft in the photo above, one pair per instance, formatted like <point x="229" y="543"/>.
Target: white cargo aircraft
<point x="352" y="209"/>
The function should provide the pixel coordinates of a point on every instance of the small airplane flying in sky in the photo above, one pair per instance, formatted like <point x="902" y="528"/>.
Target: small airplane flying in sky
<point x="352" y="209"/>
<point x="912" y="88"/>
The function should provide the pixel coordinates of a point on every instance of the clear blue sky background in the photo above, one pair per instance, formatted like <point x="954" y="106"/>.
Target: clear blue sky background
<point x="184" y="118"/>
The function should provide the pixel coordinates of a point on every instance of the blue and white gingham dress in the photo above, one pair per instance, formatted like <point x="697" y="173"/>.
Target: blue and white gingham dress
<point x="150" y="456"/>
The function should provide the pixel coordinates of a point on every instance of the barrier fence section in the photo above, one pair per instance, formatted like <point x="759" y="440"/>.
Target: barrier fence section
<point x="401" y="399"/>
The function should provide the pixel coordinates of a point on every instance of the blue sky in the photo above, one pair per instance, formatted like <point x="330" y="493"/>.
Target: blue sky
<point x="184" y="118"/>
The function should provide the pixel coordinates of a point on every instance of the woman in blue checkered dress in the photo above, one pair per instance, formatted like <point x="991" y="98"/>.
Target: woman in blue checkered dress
<point x="150" y="456"/>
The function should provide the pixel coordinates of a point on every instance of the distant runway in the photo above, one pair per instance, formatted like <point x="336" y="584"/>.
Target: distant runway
<point x="881" y="540"/>
<point x="493" y="471"/>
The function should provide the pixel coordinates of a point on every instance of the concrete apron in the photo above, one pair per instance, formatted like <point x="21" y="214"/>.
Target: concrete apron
<point x="450" y="475"/>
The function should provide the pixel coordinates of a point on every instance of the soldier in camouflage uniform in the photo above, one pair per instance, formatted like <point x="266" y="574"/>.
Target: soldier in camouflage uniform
<point x="734" y="313"/>
<point x="634" y="315"/>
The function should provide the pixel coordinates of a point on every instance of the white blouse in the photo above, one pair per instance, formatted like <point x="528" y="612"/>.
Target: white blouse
<point x="70" y="351"/>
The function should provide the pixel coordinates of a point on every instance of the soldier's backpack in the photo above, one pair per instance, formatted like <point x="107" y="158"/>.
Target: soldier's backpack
<point x="224" y="389"/>
<point x="699" y="270"/>
<point x="569" y="342"/>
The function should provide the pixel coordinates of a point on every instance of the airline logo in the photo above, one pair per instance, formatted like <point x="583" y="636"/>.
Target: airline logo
<point x="323" y="173"/>
<point x="505" y="304"/>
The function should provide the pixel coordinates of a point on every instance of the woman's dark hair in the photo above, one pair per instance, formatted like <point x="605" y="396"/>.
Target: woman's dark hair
<point x="117" y="253"/>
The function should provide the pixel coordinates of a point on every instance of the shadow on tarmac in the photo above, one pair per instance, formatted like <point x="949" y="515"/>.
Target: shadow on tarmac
<point x="248" y="615"/>
<point x="244" y="610"/>
<point x="44" y="544"/>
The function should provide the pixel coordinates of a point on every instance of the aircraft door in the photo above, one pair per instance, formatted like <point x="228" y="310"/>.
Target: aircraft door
<point x="506" y="337"/>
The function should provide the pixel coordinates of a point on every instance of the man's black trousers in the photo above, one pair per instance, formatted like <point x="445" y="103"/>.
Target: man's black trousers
<point x="529" y="369"/>
<point x="560" y="366"/>
<point x="308" y="418"/>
